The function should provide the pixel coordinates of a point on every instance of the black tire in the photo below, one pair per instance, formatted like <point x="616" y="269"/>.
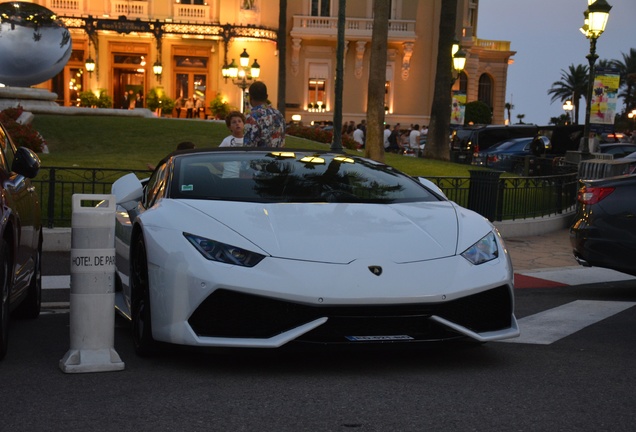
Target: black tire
<point x="144" y="343"/>
<point x="31" y="305"/>
<point x="5" y="278"/>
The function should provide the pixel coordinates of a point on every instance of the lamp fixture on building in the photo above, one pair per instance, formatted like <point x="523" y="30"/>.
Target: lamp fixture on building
<point x="157" y="68"/>
<point x="90" y="66"/>
<point x="568" y="107"/>
<point x="242" y="75"/>
<point x="596" y="17"/>
<point x="459" y="62"/>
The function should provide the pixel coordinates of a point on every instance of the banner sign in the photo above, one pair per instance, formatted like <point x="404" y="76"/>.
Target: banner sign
<point x="604" y="96"/>
<point x="458" y="108"/>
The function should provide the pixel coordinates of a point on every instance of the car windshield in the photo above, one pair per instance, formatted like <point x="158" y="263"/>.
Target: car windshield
<point x="506" y="145"/>
<point x="287" y="176"/>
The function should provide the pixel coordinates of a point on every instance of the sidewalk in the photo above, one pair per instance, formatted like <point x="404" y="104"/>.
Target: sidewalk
<point x="547" y="260"/>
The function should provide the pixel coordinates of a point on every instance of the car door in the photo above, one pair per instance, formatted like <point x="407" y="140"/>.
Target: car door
<point x="21" y="207"/>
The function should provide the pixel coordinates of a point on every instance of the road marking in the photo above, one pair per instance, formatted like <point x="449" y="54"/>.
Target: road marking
<point x="551" y="325"/>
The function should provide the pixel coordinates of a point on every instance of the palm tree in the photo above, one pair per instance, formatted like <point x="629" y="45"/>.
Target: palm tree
<point x="572" y="86"/>
<point x="374" y="143"/>
<point x="437" y="145"/>
<point x="509" y="107"/>
<point x="520" y="117"/>
<point x="627" y="70"/>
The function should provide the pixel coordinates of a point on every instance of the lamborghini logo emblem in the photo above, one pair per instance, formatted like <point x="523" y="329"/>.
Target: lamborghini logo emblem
<point x="376" y="270"/>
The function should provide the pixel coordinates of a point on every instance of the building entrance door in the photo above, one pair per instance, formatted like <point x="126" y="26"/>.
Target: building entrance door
<point x="193" y="85"/>
<point x="128" y="88"/>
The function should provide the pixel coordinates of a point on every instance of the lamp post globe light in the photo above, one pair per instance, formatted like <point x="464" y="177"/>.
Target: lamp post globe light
<point x="242" y="75"/>
<point x="596" y="17"/>
<point x="568" y="107"/>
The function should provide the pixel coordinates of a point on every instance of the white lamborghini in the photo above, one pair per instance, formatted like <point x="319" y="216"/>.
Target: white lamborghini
<point x="259" y="248"/>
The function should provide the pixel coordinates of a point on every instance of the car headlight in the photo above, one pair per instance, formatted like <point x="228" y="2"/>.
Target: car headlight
<point x="221" y="252"/>
<point x="483" y="251"/>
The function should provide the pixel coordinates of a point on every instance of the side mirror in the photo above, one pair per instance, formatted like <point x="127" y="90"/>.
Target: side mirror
<point x="432" y="186"/>
<point x="128" y="191"/>
<point x="26" y="162"/>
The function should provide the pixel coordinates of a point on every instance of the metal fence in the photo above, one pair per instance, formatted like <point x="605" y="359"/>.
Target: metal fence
<point x="486" y="192"/>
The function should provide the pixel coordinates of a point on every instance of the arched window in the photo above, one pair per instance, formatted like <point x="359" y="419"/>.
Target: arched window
<point x="463" y="82"/>
<point x="485" y="90"/>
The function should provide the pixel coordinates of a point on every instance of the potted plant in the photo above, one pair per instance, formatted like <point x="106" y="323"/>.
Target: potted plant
<point x="156" y="100"/>
<point x="219" y="108"/>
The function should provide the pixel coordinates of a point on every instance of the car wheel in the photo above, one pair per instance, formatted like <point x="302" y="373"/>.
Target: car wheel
<point x="141" y="324"/>
<point x="4" y="297"/>
<point x="30" y="307"/>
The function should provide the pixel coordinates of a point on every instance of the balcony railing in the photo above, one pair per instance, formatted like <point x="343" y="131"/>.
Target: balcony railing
<point x="493" y="45"/>
<point x="66" y="7"/>
<point x="357" y="27"/>
<point x="191" y="13"/>
<point x="496" y="198"/>
<point x="131" y="9"/>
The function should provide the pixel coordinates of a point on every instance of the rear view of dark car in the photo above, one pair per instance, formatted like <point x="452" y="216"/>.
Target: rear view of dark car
<point x="604" y="229"/>
<point x="468" y="141"/>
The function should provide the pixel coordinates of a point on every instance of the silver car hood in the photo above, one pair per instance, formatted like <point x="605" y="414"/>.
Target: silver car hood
<point x="338" y="233"/>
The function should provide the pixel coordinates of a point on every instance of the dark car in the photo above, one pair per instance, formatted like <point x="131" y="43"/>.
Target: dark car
<point x="510" y="155"/>
<point x="21" y="242"/>
<point x="604" y="230"/>
<point x="469" y="140"/>
<point x="618" y="150"/>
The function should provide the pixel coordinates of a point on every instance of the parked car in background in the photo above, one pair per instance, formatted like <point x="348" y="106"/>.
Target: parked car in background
<point x="618" y="150"/>
<point x="221" y="248"/>
<point x="510" y="155"/>
<point x="604" y="230"/>
<point x="21" y="240"/>
<point x="469" y="140"/>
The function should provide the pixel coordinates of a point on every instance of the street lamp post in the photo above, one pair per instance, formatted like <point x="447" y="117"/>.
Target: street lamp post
<point x="596" y="17"/>
<point x="243" y="75"/>
<point x="459" y="62"/>
<point x="568" y="107"/>
<point x="632" y="115"/>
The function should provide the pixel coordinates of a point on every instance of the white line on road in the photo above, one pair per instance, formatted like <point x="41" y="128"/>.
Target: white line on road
<point x="549" y="326"/>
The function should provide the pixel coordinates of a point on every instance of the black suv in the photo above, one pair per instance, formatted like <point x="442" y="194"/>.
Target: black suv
<point x="469" y="140"/>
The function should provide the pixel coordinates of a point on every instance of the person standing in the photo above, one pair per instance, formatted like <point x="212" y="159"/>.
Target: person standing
<point x="264" y="126"/>
<point x="387" y="134"/>
<point x="235" y="122"/>
<point x="177" y="106"/>
<point x="358" y="136"/>
<point x="189" y="106"/>
<point x="414" y="138"/>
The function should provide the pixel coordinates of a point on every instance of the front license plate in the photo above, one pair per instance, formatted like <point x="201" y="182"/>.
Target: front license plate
<point x="379" y="338"/>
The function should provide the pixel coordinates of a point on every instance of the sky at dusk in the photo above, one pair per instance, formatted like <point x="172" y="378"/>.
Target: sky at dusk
<point x="546" y="36"/>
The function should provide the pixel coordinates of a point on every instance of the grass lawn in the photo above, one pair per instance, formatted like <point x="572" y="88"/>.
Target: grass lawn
<point x="131" y="143"/>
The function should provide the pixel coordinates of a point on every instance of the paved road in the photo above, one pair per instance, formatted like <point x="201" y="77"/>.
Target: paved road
<point x="582" y="380"/>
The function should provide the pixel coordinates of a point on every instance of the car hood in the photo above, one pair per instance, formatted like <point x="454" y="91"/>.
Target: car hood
<point x="338" y="233"/>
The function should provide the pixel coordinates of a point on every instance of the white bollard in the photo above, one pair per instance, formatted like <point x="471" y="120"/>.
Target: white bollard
<point x="92" y="302"/>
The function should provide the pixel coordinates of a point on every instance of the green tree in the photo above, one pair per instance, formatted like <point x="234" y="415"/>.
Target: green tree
<point x="573" y="85"/>
<point x="627" y="70"/>
<point x="437" y="144"/>
<point x="478" y="112"/>
<point x="374" y="144"/>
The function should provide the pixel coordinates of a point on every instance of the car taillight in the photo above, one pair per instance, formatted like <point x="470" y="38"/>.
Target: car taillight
<point x="592" y="195"/>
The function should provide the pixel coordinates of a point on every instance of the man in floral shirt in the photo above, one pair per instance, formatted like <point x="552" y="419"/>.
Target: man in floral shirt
<point x="264" y="125"/>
